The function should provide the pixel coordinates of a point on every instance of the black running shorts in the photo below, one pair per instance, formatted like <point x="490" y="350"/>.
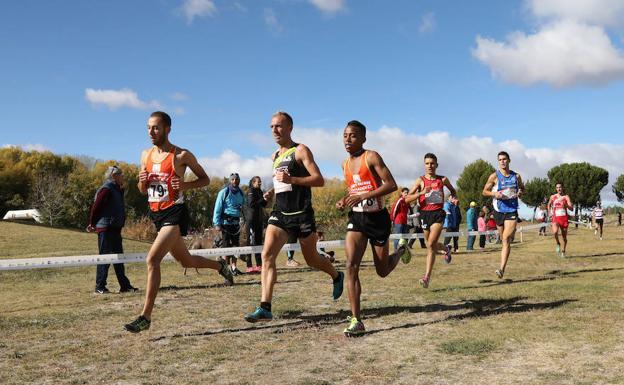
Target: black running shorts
<point x="296" y="225"/>
<point x="376" y="226"/>
<point x="500" y="218"/>
<point x="428" y="218"/>
<point x="172" y="216"/>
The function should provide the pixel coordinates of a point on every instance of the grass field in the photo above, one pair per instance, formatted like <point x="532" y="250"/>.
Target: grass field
<point x="551" y="321"/>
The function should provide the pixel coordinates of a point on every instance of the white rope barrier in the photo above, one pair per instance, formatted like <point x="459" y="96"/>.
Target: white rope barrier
<point x="90" y="260"/>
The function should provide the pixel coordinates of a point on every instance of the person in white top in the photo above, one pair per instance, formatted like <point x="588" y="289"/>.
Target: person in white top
<point x="598" y="215"/>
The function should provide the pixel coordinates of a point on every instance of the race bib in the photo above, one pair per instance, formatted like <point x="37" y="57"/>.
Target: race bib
<point x="434" y="197"/>
<point x="560" y="212"/>
<point x="367" y="205"/>
<point x="280" y="187"/>
<point x="509" y="193"/>
<point x="157" y="191"/>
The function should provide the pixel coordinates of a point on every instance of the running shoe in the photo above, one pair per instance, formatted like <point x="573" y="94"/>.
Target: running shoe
<point x="563" y="255"/>
<point x="338" y="285"/>
<point x="101" y="291"/>
<point x="499" y="273"/>
<point x="250" y="270"/>
<point x="129" y="289"/>
<point x="405" y="253"/>
<point x="258" y="269"/>
<point x="424" y="282"/>
<point x="259" y="315"/>
<point x="292" y="263"/>
<point x="226" y="273"/>
<point x="447" y="254"/>
<point x="138" y="325"/>
<point x="558" y="250"/>
<point x="355" y="328"/>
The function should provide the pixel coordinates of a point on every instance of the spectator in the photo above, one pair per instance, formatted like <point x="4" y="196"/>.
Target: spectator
<point x="107" y="217"/>
<point x="399" y="214"/>
<point x="472" y="224"/>
<point x="541" y="215"/>
<point x="413" y="222"/>
<point x="227" y="216"/>
<point x="619" y="218"/>
<point x="452" y="220"/>
<point x="491" y="226"/>
<point x="255" y="221"/>
<point x="292" y="262"/>
<point x="482" y="227"/>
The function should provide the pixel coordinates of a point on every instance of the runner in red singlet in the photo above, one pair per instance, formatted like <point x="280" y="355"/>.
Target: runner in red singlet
<point x="558" y="206"/>
<point x="429" y="191"/>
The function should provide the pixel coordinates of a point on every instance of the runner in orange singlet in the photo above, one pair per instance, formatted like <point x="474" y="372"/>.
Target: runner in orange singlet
<point x="558" y="206"/>
<point x="368" y="180"/>
<point x="162" y="178"/>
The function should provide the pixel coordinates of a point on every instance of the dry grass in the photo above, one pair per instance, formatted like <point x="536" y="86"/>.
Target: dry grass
<point x="551" y="321"/>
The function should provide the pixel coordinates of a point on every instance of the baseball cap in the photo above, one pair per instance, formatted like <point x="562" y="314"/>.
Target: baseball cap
<point x="473" y="204"/>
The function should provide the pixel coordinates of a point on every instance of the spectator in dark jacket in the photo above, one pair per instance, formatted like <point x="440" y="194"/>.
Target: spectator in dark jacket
<point x="107" y="217"/>
<point x="255" y="221"/>
<point x="452" y="220"/>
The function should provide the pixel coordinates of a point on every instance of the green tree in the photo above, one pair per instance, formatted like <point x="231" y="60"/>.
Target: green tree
<point x="582" y="181"/>
<point x="471" y="181"/>
<point x="618" y="188"/>
<point x="536" y="191"/>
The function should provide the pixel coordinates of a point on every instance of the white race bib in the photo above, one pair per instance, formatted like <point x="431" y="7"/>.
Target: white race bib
<point x="509" y="193"/>
<point x="560" y="212"/>
<point x="367" y="205"/>
<point x="157" y="191"/>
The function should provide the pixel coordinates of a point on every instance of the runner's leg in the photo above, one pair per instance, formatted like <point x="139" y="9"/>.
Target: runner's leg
<point x="274" y="241"/>
<point x="313" y="258"/>
<point x="355" y="247"/>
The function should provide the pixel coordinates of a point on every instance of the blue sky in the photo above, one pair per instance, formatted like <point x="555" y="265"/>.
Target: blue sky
<point x="542" y="79"/>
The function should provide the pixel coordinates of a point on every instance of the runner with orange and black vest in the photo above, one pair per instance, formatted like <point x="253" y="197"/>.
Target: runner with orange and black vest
<point x="162" y="178"/>
<point x="429" y="191"/>
<point x="368" y="180"/>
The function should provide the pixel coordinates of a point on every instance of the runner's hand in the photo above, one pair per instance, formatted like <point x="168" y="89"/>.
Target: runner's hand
<point x="143" y="175"/>
<point x="90" y="229"/>
<point x="282" y="176"/>
<point x="268" y="195"/>
<point x="353" y="200"/>
<point x="340" y="205"/>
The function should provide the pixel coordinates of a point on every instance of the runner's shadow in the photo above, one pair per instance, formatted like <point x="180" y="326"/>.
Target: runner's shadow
<point x="551" y="275"/>
<point x="596" y="255"/>
<point x="217" y="285"/>
<point x="472" y="308"/>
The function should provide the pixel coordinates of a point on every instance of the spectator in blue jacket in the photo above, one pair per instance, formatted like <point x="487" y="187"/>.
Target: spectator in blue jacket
<point x="452" y="220"/>
<point x="227" y="216"/>
<point x="471" y="223"/>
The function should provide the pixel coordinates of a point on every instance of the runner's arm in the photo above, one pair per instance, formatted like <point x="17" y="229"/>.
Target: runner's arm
<point x="520" y="185"/>
<point x="315" y="179"/>
<point x="487" y="189"/>
<point x="388" y="184"/>
<point x="414" y="192"/>
<point x="450" y="187"/>
<point x="202" y="180"/>
<point x="142" y="184"/>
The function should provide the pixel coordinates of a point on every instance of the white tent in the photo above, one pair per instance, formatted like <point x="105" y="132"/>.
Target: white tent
<point x="23" y="214"/>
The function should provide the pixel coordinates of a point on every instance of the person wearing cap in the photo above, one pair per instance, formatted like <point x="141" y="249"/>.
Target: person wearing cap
<point x="227" y="215"/>
<point x="471" y="223"/>
<point x="107" y="217"/>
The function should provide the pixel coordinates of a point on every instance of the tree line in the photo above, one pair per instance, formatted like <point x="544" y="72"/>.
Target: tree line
<point x="62" y="188"/>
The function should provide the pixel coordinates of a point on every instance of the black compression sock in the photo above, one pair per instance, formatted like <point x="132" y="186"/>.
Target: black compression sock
<point x="266" y="305"/>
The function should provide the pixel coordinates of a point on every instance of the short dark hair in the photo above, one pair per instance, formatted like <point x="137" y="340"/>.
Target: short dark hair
<point x="163" y="116"/>
<point x="431" y="155"/>
<point x="404" y="189"/>
<point x="558" y="182"/>
<point x="357" y="124"/>
<point x="503" y="153"/>
<point x="285" y="115"/>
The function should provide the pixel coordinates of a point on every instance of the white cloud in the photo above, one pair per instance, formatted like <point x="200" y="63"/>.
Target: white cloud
<point x="329" y="6"/>
<point x="427" y="23"/>
<point x="179" y="96"/>
<point x="229" y="162"/>
<point x="198" y="8"/>
<point x="270" y="19"/>
<point x="597" y="12"/>
<point x="403" y="154"/>
<point x="29" y="147"/>
<point x="571" y="46"/>
<point x="114" y="99"/>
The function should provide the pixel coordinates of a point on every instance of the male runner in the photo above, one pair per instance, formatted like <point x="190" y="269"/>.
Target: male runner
<point x="558" y="206"/>
<point x="368" y="180"/>
<point x="294" y="174"/>
<point x="162" y="171"/>
<point x="505" y="186"/>
<point x="429" y="191"/>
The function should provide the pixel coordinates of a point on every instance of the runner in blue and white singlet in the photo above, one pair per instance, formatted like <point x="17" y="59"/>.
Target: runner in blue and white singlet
<point x="505" y="187"/>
